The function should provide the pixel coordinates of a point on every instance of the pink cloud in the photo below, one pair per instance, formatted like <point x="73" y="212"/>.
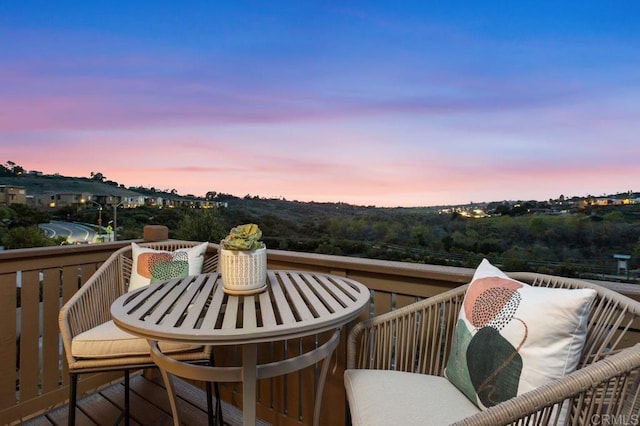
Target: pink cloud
<point x="384" y="135"/>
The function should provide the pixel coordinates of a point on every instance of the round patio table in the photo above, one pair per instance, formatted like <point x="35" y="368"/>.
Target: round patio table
<point x="196" y="310"/>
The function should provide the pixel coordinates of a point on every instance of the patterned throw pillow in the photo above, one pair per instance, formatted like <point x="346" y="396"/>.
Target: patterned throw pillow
<point x="511" y="337"/>
<point x="151" y="266"/>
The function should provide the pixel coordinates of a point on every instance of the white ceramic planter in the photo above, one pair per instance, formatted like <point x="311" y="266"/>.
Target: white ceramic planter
<point x="243" y="271"/>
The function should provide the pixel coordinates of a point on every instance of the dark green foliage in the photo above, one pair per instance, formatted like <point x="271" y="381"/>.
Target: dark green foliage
<point x="200" y="225"/>
<point x="22" y="216"/>
<point x="25" y="237"/>
<point x="580" y="243"/>
<point x="569" y="244"/>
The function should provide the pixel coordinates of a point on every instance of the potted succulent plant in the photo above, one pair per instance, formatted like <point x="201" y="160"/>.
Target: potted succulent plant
<point x="243" y="260"/>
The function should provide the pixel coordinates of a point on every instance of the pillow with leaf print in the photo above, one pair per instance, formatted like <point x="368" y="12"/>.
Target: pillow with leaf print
<point x="511" y="337"/>
<point x="151" y="266"/>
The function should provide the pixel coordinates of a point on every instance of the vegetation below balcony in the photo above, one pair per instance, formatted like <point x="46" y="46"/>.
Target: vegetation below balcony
<point x="579" y="244"/>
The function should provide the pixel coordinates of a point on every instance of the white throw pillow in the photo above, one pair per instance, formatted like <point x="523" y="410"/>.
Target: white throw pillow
<point x="511" y="337"/>
<point x="150" y="265"/>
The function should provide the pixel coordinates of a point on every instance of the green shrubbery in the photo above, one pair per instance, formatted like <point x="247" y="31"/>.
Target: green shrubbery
<point x="569" y="244"/>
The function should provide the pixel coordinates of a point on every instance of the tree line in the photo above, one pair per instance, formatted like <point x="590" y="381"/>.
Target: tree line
<point x="579" y="244"/>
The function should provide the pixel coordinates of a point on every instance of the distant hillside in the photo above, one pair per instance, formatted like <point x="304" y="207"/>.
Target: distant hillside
<point x="527" y="236"/>
<point x="38" y="185"/>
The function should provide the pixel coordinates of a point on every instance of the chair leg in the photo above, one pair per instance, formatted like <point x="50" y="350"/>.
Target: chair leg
<point x="219" y="419"/>
<point x="127" y="406"/>
<point x="73" y="392"/>
<point x="125" y="412"/>
<point x="216" y="386"/>
<point x="209" y="404"/>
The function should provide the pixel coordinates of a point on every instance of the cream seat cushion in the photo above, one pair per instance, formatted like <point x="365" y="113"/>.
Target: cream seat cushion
<point x="108" y="341"/>
<point x="383" y="397"/>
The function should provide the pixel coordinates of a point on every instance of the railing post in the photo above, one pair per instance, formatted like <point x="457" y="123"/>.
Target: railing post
<point x="152" y="233"/>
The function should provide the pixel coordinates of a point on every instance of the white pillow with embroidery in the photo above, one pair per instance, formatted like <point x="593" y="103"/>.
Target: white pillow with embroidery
<point x="151" y="266"/>
<point x="511" y="337"/>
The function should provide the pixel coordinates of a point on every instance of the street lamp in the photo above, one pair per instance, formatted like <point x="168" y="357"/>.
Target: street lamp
<point x="115" y="218"/>
<point x="99" y="215"/>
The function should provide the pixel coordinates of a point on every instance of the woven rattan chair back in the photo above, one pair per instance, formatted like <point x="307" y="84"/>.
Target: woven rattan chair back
<point x="90" y="307"/>
<point x="417" y="338"/>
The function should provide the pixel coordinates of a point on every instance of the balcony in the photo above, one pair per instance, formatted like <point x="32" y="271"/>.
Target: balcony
<point x="33" y="374"/>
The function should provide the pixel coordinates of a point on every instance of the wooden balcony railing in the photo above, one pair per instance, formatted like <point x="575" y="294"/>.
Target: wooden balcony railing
<point x="34" y="283"/>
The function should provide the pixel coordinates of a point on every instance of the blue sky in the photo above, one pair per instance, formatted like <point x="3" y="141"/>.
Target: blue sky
<point x="371" y="102"/>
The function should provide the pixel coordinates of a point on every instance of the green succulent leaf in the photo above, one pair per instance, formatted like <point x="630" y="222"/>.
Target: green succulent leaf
<point x="243" y="237"/>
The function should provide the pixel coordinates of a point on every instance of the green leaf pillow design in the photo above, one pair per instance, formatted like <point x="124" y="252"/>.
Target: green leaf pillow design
<point x="511" y="337"/>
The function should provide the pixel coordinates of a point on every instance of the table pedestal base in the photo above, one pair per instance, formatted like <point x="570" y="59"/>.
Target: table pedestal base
<point x="248" y="374"/>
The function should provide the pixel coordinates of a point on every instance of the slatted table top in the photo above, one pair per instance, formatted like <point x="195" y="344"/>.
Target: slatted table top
<point x="195" y="309"/>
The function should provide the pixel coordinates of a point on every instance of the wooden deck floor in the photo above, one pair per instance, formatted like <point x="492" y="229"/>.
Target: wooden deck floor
<point x="149" y="406"/>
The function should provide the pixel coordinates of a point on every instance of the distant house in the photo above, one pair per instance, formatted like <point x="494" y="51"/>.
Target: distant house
<point x="131" y="202"/>
<point x="55" y="200"/>
<point x="12" y="195"/>
<point x="154" y="201"/>
<point x="69" y="198"/>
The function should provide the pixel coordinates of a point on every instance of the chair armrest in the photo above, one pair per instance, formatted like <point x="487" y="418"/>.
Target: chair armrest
<point x="415" y="338"/>
<point x="90" y="305"/>
<point x="609" y="387"/>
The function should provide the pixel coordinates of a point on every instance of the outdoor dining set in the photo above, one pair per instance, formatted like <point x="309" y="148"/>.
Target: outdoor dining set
<point x="504" y="348"/>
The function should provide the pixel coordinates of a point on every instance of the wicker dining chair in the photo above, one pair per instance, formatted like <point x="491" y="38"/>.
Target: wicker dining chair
<point x="417" y="339"/>
<point x="89" y="308"/>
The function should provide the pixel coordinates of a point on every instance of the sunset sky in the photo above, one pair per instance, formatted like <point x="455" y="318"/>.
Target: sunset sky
<point x="386" y="103"/>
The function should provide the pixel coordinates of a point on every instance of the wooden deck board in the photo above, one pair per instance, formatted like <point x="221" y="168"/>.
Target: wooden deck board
<point x="143" y="411"/>
<point x="149" y="406"/>
<point x="99" y="410"/>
